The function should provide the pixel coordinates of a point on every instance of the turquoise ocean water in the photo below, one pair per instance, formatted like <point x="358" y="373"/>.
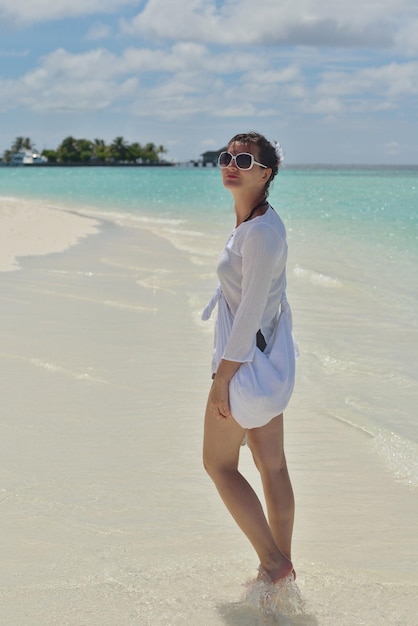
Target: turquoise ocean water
<point x="352" y="272"/>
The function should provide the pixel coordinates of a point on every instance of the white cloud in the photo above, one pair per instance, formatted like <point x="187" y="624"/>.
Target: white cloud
<point x="180" y="57"/>
<point x="269" y="22"/>
<point x="326" y="106"/>
<point x="390" y="81"/>
<point x="95" y="64"/>
<point x="34" y="11"/>
<point x="66" y="81"/>
<point x="189" y="79"/>
<point x="183" y="19"/>
<point x="303" y="22"/>
<point x="269" y="85"/>
<point x="406" y="37"/>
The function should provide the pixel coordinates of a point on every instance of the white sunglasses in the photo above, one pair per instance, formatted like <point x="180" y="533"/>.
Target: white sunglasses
<point x="243" y="160"/>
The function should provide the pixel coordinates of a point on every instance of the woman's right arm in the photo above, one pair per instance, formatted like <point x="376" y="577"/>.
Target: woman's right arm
<point x="219" y="394"/>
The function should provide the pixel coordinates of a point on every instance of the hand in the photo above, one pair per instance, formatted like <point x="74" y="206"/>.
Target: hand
<point x="219" y="399"/>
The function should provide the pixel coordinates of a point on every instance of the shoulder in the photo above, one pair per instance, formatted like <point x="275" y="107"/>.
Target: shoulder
<point x="274" y="220"/>
<point x="268" y="229"/>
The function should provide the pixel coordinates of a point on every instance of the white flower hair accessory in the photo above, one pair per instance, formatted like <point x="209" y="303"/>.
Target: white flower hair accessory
<point x="279" y="152"/>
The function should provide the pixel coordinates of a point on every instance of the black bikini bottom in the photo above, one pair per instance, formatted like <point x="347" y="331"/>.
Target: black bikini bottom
<point x="260" y="342"/>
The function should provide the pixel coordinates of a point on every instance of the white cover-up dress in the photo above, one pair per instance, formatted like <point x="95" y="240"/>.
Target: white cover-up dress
<point x="251" y="296"/>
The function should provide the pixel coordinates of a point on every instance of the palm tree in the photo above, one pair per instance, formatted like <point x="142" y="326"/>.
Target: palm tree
<point x="22" y="143"/>
<point x="134" y="152"/>
<point x="150" y="153"/>
<point x="160" y="151"/>
<point x="85" y="150"/>
<point x="99" y="150"/>
<point x="118" y="149"/>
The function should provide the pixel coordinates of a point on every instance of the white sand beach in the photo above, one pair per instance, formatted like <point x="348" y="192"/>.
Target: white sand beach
<point x="108" y="518"/>
<point x="31" y="228"/>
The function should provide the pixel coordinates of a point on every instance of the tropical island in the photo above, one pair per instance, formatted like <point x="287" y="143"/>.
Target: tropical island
<point x="72" y="151"/>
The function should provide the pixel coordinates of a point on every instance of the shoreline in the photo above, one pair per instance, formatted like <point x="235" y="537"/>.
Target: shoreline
<point x="192" y="163"/>
<point x="77" y="164"/>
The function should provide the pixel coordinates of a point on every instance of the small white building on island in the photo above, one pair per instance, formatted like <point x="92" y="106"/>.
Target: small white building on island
<point x="27" y="157"/>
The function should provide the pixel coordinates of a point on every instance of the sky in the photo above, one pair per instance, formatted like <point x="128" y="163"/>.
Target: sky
<point x="335" y="82"/>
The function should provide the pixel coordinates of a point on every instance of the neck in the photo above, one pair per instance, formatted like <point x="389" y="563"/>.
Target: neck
<point x="247" y="208"/>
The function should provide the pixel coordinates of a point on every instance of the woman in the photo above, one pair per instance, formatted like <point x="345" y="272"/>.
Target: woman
<point x="251" y="298"/>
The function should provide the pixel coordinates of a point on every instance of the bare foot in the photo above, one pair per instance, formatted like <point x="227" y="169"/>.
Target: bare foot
<point x="277" y="573"/>
<point x="282" y="572"/>
<point x="263" y="576"/>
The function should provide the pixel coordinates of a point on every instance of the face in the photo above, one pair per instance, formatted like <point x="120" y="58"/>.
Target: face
<point x="252" y="180"/>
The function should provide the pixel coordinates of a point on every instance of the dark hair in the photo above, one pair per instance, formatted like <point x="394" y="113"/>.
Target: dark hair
<point x="267" y="154"/>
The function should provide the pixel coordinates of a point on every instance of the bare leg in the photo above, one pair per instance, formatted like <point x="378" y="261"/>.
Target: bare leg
<point x="266" y="445"/>
<point x="222" y="442"/>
